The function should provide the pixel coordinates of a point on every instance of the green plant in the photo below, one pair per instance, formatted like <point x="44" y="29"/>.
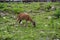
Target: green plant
<point x="47" y="6"/>
<point x="57" y="13"/>
<point x="1" y="6"/>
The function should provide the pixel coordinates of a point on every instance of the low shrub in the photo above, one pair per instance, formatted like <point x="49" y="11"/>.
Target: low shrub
<point x="57" y="13"/>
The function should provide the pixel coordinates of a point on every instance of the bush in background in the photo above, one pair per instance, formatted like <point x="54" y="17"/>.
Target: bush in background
<point x="57" y="13"/>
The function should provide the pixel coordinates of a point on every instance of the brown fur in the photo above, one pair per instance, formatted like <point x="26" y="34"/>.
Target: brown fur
<point x="25" y="16"/>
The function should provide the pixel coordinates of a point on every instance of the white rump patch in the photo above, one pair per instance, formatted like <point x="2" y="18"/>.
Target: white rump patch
<point x="21" y="22"/>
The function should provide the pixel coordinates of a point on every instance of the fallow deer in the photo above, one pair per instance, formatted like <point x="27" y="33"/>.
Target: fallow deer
<point x="25" y="16"/>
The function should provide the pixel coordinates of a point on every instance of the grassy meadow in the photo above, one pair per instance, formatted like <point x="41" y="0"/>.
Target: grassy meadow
<point x="47" y="21"/>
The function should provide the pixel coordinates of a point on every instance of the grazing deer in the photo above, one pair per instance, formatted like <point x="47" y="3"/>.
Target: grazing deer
<point x="25" y="16"/>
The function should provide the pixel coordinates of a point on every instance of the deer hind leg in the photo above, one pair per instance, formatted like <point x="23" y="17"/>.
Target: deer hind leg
<point x="23" y="25"/>
<point x="20" y="21"/>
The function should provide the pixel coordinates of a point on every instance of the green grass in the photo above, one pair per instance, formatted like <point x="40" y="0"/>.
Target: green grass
<point x="47" y="28"/>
